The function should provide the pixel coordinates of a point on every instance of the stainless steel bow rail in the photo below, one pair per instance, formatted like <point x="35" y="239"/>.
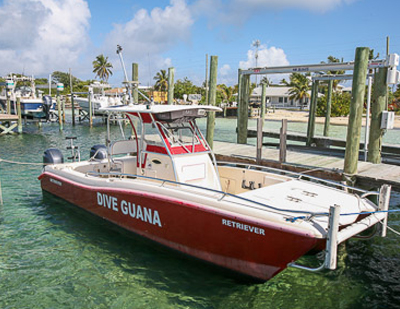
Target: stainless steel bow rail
<point x="336" y="236"/>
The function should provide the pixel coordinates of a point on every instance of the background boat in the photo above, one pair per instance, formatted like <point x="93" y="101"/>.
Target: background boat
<point x="98" y="99"/>
<point x="32" y="105"/>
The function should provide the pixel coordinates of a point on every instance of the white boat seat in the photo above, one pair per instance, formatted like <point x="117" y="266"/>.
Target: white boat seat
<point x="123" y="147"/>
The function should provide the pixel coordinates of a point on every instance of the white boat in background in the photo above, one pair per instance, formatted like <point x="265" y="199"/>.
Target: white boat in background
<point x="98" y="98"/>
<point x="32" y="105"/>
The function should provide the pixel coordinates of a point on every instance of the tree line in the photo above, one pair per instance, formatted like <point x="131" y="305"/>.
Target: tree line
<point x="299" y="87"/>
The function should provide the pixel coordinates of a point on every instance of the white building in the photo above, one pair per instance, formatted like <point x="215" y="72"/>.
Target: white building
<point x="279" y="97"/>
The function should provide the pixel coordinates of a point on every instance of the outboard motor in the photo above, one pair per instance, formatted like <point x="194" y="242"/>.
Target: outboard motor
<point x="47" y="103"/>
<point x="98" y="152"/>
<point x="52" y="156"/>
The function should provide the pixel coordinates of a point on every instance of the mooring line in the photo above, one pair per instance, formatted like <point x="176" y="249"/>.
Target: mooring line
<point x="21" y="163"/>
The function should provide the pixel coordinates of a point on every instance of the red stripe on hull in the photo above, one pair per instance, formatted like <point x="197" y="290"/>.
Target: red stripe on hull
<point x="254" y="248"/>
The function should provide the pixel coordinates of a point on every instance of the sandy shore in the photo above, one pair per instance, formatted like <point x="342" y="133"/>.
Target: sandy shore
<point x="302" y="116"/>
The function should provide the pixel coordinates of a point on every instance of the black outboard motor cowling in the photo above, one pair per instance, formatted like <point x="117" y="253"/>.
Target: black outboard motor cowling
<point x="47" y="103"/>
<point x="98" y="152"/>
<point x="52" y="156"/>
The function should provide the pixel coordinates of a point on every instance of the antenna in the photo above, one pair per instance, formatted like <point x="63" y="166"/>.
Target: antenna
<point x="119" y="52"/>
<point x="256" y="44"/>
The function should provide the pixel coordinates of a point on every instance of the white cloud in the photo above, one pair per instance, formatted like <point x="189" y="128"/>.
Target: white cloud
<point x="226" y="75"/>
<point x="149" y="34"/>
<point x="225" y="70"/>
<point x="267" y="57"/>
<point x="42" y="36"/>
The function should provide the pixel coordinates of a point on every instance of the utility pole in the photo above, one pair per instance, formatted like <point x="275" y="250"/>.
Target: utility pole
<point x="256" y="44"/>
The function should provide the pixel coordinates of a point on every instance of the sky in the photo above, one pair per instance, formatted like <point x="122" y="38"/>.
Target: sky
<point x="38" y="37"/>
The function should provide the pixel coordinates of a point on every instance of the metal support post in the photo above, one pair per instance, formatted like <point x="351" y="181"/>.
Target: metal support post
<point x="384" y="197"/>
<point x="331" y="241"/>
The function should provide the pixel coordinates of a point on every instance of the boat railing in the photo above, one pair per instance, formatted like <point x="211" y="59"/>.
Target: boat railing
<point x="264" y="207"/>
<point x="222" y="195"/>
<point x="334" y="236"/>
<point x="300" y="176"/>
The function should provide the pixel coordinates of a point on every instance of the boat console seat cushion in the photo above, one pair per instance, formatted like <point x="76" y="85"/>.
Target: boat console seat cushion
<point x="123" y="147"/>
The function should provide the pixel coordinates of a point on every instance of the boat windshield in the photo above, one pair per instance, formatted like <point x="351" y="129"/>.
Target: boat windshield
<point x="176" y="137"/>
<point x="179" y="134"/>
<point x="24" y="91"/>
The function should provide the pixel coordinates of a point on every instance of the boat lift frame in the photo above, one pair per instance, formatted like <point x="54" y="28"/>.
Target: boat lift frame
<point x="328" y="77"/>
<point x="336" y="237"/>
<point x="391" y="62"/>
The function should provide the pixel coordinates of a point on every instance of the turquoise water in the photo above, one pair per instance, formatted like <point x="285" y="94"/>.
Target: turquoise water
<point x="53" y="256"/>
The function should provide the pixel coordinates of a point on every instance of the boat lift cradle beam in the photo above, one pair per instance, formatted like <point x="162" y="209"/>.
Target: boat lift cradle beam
<point x="335" y="237"/>
<point x="391" y="62"/>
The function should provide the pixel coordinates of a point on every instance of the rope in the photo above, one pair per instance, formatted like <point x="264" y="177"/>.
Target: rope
<point x="394" y="231"/>
<point x="347" y="214"/>
<point x="22" y="163"/>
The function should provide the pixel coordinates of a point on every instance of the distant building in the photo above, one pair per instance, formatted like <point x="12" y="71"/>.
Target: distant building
<point x="279" y="97"/>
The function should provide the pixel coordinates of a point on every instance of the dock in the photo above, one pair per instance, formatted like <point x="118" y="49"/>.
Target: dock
<point x="6" y="123"/>
<point x="369" y="175"/>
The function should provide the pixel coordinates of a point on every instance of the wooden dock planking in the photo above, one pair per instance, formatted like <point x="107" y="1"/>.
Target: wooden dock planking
<point x="7" y="119"/>
<point x="369" y="175"/>
<point x="320" y="141"/>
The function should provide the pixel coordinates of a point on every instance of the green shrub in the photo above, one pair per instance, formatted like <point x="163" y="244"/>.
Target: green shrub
<point x="340" y="105"/>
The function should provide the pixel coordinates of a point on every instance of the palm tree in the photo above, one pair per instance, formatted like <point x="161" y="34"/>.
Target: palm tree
<point x="226" y="92"/>
<point x="266" y="81"/>
<point x="332" y="59"/>
<point x="102" y="67"/>
<point x="299" y="87"/>
<point x="161" y="79"/>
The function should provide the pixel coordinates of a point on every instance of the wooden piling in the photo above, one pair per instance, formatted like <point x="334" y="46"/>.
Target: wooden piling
<point x="171" y="73"/>
<point x="356" y="111"/>
<point x="135" y="78"/>
<point x="243" y="108"/>
<point x="259" y="140"/>
<point x="73" y="109"/>
<point x="212" y="96"/>
<point x="312" y="111"/>
<point x="19" y="115"/>
<point x="8" y="103"/>
<point x="63" y="110"/>
<point x="72" y="98"/>
<point x="206" y="81"/>
<point x="328" y="108"/>
<point x="90" y="109"/>
<point x="379" y="98"/>
<point x="60" y="120"/>
<point x="263" y="99"/>
<point x="282" y="142"/>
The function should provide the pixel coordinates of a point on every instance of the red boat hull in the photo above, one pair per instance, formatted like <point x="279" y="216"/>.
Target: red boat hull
<point x="255" y="248"/>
